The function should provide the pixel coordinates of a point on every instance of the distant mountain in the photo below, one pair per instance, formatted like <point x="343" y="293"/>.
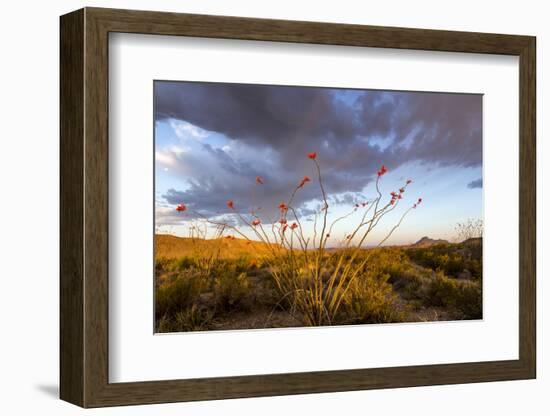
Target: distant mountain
<point x="475" y="241"/>
<point x="427" y="242"/>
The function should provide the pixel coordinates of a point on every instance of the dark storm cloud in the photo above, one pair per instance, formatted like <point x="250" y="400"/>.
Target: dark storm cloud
<point x="444" y="128"/>
<point x="478" y="183"/>
<point x="255" y="113"/>
<point x="353" y="133"/>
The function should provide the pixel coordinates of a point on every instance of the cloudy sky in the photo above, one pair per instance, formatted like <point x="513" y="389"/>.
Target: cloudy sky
<point x="213" y="139"/>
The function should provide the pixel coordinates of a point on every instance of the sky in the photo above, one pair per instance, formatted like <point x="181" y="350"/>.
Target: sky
<point x="213" y="139"/>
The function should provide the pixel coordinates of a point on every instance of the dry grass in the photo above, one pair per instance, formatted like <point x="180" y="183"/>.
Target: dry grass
<point x="172" y="247"/>
<point x="238" y="291"/>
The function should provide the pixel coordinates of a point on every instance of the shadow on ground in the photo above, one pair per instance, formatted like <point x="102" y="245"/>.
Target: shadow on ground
<point x="51" y="390"/>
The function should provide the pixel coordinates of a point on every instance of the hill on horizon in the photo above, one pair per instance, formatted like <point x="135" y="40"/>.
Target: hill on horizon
<point x="171" y="247"/>
<point x="427" y="242"/>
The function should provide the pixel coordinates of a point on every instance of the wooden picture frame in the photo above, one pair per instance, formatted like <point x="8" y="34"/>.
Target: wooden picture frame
<point x="84" y="207"/>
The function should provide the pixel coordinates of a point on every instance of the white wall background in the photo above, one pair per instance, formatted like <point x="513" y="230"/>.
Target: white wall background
<point x="29" y="158"/>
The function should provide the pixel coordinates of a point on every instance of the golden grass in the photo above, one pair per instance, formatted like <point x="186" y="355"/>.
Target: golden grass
<point x="172" y="247"/>
<point x="203" y="291"/>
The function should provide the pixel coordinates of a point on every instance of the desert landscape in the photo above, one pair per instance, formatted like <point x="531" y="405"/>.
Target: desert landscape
<point x="291" y="206"/>
<point x="225" y="283"/>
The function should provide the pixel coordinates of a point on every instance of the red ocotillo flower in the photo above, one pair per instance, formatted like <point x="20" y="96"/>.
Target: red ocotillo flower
<point x="283" y="207"/>
<point x="304" y="181"/>
<point x="293" y="226"/>
<point x="285" y="227"/>
<point x="259" y="180"/>
<point x="419" y="200"/>
<point x="181" y="207"/>
<point x="401" y="190"/>
<point x="256" y="222"/>
<point x="409" y="181"/>
<point x="382" y="170"/>
<point x="312" y="155"/>
<point x="230" y="204"/>
<point x="283" y="221"/>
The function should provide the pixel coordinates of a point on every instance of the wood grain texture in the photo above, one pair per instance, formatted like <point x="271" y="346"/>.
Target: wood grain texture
<point x="162" y="23"/>
<point x="71" y="208"/>
<point x="527" y="207"/>
<point x="96" y="208"/>
<point x="84" y="207"/>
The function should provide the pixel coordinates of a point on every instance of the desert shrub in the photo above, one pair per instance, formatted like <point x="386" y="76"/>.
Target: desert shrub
<point x="475" y="268"/>
<point x="170" y="265"/>
<point x="228" y="266"/>
<point x="163" y="324"/>
<point x="162" y="264"/>
<point x="256" y="267"/>
<point x="181" y="294"/>
<point x="390" y="259"/>
<point x="475" y="249"/>
<point x="189" y="319"/>
<point x="198" y="266"/>
<point x="464" y="297"/>
<point x="242" y="264"/>
<point x="432" y="257"/>
<point x="193" y="319"/>
<point x="451" y="259"/>
<point x="404" y="276"/>
<point x="231" y="290"/>
<point x="451" y="264"/>
<point x="264" y="290"/>
<point x="474" y="262"/>
<point x="185" y="263"/>
<point x="411" y="282"/>
<point x="371" y="300"/>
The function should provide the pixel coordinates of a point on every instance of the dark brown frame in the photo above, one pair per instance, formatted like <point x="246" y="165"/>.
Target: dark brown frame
<point x="84" y="208"/>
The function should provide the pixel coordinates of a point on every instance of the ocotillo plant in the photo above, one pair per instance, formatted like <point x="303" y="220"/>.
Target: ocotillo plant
<point x="311" y="280"/>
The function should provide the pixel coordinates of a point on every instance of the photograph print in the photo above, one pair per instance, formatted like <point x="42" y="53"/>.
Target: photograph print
<point x="290" y="206"/>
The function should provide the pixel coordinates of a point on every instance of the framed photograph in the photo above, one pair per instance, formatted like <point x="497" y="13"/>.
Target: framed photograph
<point x="260" y="207"/>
